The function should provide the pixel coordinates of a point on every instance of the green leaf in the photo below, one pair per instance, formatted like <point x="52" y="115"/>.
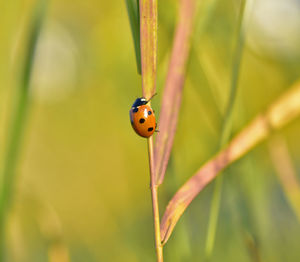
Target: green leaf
<point x="134" y="19"/>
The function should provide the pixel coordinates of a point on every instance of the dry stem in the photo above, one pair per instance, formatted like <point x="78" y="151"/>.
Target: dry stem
<point x="173" y="88"/>
<point x="153" y="187"/>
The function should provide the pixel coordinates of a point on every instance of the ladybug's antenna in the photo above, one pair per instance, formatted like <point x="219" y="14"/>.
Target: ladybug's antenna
<point x="151" y="97"/>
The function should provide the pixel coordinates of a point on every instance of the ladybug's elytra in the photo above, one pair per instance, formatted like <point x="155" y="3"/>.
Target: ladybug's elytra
<point x="142" y="117"/>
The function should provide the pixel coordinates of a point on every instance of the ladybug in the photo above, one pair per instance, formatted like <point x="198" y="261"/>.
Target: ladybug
<point x="142" y="117"/>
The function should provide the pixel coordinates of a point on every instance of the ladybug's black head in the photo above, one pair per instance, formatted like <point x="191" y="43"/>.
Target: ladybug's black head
<point x="139" y="102"/>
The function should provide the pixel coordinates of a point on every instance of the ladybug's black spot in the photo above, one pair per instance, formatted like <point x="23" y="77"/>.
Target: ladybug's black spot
<point x="142" y="120"/>
<point x="149" y="113"/>
<point x="135" y="109"/>
<point x="150" y="129"/>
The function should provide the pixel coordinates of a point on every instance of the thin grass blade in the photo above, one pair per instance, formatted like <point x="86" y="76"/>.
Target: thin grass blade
<point x="173" y="88"/>
<point x="284" y="110"/>
<point x="18" y="122"/>
<point x="134" y="19"/>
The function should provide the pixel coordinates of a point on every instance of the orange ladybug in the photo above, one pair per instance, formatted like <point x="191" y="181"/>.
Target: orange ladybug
<point x="142" y="117"/>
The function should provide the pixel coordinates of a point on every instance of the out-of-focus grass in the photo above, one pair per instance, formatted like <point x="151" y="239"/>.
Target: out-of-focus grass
<point x="226" y="126"/>
<point x="82" y="157"/>
<point x="17" y="124"/>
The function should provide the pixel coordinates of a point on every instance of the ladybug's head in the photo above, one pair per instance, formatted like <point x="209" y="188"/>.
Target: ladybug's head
<point x="139" y="102"/>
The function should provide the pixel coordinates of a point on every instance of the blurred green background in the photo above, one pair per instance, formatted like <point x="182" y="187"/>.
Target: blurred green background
<point x="82" y="189"/>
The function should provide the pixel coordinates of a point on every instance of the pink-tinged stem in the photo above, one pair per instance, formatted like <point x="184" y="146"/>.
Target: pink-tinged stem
<point x="280" y="113"/>
<point x="173" y="89"/>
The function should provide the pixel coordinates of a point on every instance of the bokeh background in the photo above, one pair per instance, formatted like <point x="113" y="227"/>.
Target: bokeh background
<point x="82" y="189"/>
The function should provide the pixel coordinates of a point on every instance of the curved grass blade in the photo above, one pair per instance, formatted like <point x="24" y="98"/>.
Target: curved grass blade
<point x="134" y="19"/>
<point x="226" y="131"/>
<point x="284" y="110"/>
<point x="18" y="122"/>
<point x="173" y="88"/>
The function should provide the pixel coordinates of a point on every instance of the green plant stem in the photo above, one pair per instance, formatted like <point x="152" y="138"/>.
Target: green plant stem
<point x="155" y="207"/>
<point x="213" y="216"/>
<point x="225" y="133"/>
<point x="17" y="126"/>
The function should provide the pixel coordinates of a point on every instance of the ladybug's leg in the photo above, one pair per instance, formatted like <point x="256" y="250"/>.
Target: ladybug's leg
<point x="151" y="98"/>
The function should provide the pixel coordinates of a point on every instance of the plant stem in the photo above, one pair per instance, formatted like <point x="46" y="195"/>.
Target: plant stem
<point x="153" y="187"/>
<point x="148" y="45"/>
<point x="213" y="217"/>
<point x="172" y="94"/>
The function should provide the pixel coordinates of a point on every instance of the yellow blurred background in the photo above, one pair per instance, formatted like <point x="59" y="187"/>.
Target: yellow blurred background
<point x="82" y="190"/>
